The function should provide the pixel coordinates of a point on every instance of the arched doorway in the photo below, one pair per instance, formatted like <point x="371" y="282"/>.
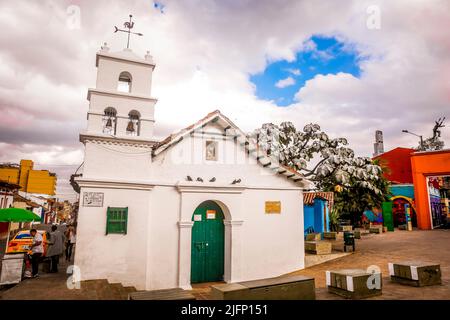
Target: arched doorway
<point x="399" y="211"/>
<point x="207" y="247"/>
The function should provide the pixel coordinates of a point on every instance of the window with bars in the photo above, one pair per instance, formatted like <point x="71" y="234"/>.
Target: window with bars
<point x="116" y="220"/>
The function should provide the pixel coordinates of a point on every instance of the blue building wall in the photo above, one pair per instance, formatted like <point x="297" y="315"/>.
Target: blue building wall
<point x="308" y="214"/>
<point x="403" y="190"/>
<point x="314" y="217"/>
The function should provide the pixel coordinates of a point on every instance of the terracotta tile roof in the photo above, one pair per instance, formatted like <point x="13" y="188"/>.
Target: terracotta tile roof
<point x="308" y="197"/>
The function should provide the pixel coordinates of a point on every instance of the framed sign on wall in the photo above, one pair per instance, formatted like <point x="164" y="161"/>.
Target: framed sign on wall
<point x="210" y="214"/>
<point x="273" y="207"/>
<point x="93" y="199"/>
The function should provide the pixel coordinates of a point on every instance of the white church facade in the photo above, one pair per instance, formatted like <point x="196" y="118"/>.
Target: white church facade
<point x="205" y="204"/>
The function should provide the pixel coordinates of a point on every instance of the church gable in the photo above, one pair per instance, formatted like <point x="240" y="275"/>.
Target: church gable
<point x="216" y="141"/>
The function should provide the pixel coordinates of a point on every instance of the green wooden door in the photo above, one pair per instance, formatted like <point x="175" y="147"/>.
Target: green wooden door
<point x="388" y="219"/>
<point x="207" y="250"/>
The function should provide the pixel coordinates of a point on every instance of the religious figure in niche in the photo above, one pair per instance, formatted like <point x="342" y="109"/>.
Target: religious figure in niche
<point x="211" y="150"/>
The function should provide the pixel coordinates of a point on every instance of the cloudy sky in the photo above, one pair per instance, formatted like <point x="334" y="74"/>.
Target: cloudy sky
<point x="351" y="66"/>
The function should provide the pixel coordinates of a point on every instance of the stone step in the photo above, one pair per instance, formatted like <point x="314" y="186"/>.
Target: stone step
<point x="94" y="284"/>
<point x="121" y="291"/>
<point x="101" y="289"/>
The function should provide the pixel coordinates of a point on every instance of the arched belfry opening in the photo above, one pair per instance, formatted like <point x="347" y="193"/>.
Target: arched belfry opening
<point x="109" y="120"/>
<point x="133" y="126"/>
<point x="125" y="81"/>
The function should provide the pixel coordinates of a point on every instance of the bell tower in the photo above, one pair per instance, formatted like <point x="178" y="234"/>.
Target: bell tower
<point x="121" y="104"/>
<point x="119" y="136"/>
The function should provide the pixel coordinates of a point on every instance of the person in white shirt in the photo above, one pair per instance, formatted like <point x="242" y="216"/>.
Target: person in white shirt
<point x="37" y="249"/>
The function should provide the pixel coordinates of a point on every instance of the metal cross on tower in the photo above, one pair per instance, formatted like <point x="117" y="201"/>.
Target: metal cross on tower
<point x="128" y="25"/>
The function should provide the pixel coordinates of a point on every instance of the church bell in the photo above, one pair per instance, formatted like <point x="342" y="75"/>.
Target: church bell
<point x="130" y="126"/>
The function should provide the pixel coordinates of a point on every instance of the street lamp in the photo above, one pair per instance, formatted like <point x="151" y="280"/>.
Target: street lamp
<point x="414" y="134"/>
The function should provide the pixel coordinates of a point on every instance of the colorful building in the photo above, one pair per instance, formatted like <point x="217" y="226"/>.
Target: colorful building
<point x="316" y="208"/>
<point x="417" y="184"/>
<point x="398" y="162"/>
<point x="399" y="172"/>
<point x="7" y="191"/>
<point x="29" y="180"/>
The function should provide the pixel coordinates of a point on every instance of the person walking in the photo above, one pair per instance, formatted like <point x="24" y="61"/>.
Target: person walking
<point x="37" y="249"/>
<point x="55" y="248"/>
<point x="71" y="239"/>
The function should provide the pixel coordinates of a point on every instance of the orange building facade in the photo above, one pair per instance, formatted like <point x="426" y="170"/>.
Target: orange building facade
<point x="424" y="165"/>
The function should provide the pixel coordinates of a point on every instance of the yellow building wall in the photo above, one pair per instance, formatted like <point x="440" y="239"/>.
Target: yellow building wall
<point x="32" y="181"/>
<point x="25" y="167"/>
<point x="40" y="181"/>
<point x="10" y="175"/>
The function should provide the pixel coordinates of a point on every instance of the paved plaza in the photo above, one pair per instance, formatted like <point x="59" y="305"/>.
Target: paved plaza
<point x="379" y="250"/>
<point x="371" y="250"/>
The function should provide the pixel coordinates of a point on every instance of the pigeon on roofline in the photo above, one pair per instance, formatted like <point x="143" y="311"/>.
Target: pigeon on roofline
<point x="236" y="181"/>
<point x="212" y="179"/>
<point x="188" y="178"/>
<point x="199" y="179"/>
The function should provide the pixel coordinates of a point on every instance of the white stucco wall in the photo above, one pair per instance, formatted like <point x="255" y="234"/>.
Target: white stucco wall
<point x="112" y="161"/>
<point x="116" y="257"/>
<point x="109" y="70"/>
<point x="272" y="244"/>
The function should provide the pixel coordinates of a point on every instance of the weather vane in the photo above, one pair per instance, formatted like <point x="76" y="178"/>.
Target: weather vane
<point x="128" y="25"/>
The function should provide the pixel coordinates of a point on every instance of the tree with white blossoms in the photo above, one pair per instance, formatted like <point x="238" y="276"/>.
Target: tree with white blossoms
<point x="328" y="163"/>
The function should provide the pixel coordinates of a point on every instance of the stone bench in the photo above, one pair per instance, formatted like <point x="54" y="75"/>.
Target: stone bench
<point x="345" y="228"/>
<point x="314" y="237"/>
<point x="165" y="294"/>
<point x="415" y="273"/>
<point x="376" y="229"/>
<point x="318" y="247"/>
<point x="280" y="288"/>
<point x="353" y="283"/>
<point x="332" y="235"/>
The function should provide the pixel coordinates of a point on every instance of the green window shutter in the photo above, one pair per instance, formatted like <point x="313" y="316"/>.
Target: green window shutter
<point x="116" y="220"/>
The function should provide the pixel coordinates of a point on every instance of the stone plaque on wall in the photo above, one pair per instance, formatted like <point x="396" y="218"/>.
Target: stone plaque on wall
<point x="93" y="199"/>
<point x="273" y="207"/>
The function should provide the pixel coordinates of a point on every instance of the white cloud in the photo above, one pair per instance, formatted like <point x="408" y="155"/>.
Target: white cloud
<point x="283" y="83"/>
<point x="295" y="72"/>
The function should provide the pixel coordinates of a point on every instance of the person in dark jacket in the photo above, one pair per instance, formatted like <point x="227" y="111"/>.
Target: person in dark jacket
<point x="55" y="247"/>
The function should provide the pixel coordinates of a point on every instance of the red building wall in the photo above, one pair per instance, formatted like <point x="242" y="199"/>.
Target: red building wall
<point x="398" y="161"/>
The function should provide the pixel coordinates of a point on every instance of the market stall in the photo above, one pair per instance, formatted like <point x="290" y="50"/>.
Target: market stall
<point x="12" y="264"/>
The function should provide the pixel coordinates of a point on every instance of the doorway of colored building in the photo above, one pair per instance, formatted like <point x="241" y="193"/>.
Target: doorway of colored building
<point x="439" y="193"/>
<point x="425" y="165"/>
<point x="207" y="248"/>
<point x="399" y="212"/>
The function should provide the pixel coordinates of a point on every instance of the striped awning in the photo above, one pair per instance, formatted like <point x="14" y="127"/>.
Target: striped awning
<point x="308" y="197"/>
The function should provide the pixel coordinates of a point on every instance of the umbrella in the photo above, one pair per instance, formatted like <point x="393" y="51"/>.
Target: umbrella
<point x="16" y="215"/>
